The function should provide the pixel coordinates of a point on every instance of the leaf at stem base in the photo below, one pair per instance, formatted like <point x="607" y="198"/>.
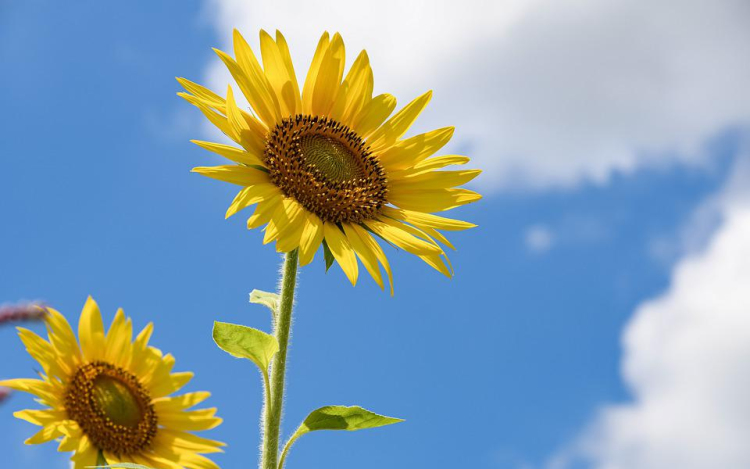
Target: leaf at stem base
<point x="337" y="417"/>
<point x="246" y="342"/>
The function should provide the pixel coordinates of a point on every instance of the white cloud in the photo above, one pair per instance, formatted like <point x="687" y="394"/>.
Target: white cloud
<point x="539" y="239"/>
<point x="544" y="92"/>
<point x="686" y="356"/>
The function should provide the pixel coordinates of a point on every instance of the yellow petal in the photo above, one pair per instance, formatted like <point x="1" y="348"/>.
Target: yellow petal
<point x="195" y="420"/>
<point x="44" y="435"/>
<point x="180" y="380"/>
<point x="342" y="251"/>
<point x="437" y="235"/>
<point x="397" y="125"/>
<point x="62" y="336"/>
<point x="428" y="165"/>
<point x="215" y="118"/>
<point x="433" y="200"/>
<point x="436" y="262"/>
<point x="141" y="341"/>
<point x="373" y="114"/>
<point x="329" y="77"/>
<point x="196" y="461"/>
<point x="244" y="128"/>
<point x="422" y="220"/>
<point x="264" y="212"/>
<point x="39" y="388"/>
<point x="234" y="174"/>
<point x="435" y="180"/>
<point x="162" y="460"/>
<point x="398" y="235"/>
<point x="361" y="84"/>
<point x="285" y="217"/>
<point x="289" y="238"/>
<point x="312" y="74"/>
<point x="119" y="337"/>
<point x="373" y="245"/>
<point x="237" y="155"/>
<point x="202" y="92"/>
<point x="152" y="367"/>
<point x="41" y="417"/>
<point x="91" y="331"/>
<point x="441" y="162"/>
<point x="175" y="382"/>
<point x="156" y="374"/>
<point x="150" y="460"/>
<point x="68" y="443"/>
<point x="364" y="253"/>
<point x="44" y="353"/>
<point x="86" y="454"/>
<point x="412" y="230"/>
<point x="287" y="59"/>
<point x="355" y="91"/>
<point x="275" y="67"/>
<point x="312" y="237"/>
<point x="337" y="110"/>
<point x="425" y="233"/>
<point x="258" y="95"/>
<point x="183" y="402"/>
<point x="262" y="91"/>
<point x="253" y="141"/>
<point x="186" y="441"/>
<point x="252" y="195"/>
<point x="413" y="150"/>
<point x="237" y="124"/>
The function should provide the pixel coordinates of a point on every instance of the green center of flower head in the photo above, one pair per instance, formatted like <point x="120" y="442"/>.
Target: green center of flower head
<point x="116" y="401"/>
<point x="112" y="408"/>
<point x="327" y="168"/>
<point x="331" y="157"/>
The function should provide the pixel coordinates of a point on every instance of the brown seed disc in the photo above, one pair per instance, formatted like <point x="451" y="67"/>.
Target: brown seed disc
<point x="327" y="168"/>
<point x="112" y="408"/>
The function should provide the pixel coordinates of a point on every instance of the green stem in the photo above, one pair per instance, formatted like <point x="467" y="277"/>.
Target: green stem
<point x="287" y="447"/>
<point x="273" y="409"/>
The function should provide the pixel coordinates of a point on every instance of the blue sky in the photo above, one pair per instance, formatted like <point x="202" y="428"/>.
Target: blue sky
<point x="504" y="366"/>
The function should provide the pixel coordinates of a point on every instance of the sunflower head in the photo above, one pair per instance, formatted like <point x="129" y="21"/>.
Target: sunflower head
<point x="327" y="168"/>
<point x="327" y="164"/>
<point x="110" y="396"/>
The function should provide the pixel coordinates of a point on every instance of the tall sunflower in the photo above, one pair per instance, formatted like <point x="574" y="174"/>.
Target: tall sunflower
<point x="327" y="163"/>
<point x="109" y="397"/>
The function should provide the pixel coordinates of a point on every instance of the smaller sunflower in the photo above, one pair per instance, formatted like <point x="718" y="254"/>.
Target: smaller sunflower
<point x="110" y="396"/>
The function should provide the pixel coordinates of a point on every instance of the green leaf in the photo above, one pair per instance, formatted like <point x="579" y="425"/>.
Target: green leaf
<point x="344" y="418"/>
<point x="246" y="342"/>
<point x="337" y="417"/>
<point x="269" y="300"/>
<point x="328" y="255"/>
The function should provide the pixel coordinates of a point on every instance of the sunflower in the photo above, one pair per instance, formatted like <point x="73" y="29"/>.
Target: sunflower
<point x="328" y="164"/>
<point x="109" y="398"/>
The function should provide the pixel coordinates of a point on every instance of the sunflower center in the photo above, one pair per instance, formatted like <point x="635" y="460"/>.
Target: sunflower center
<point x="112" y="408"/>
<point x="117" y="401"/>
<point x="327" y="168"/>
<point x="334" y="159"/>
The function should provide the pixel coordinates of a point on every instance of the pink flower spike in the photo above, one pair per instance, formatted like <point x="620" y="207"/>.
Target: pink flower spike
<point x="22" y="312"/>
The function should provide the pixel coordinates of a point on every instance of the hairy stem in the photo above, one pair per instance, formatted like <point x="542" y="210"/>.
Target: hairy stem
<point x="287" y="447"/>
<point x="274" y="408"/>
